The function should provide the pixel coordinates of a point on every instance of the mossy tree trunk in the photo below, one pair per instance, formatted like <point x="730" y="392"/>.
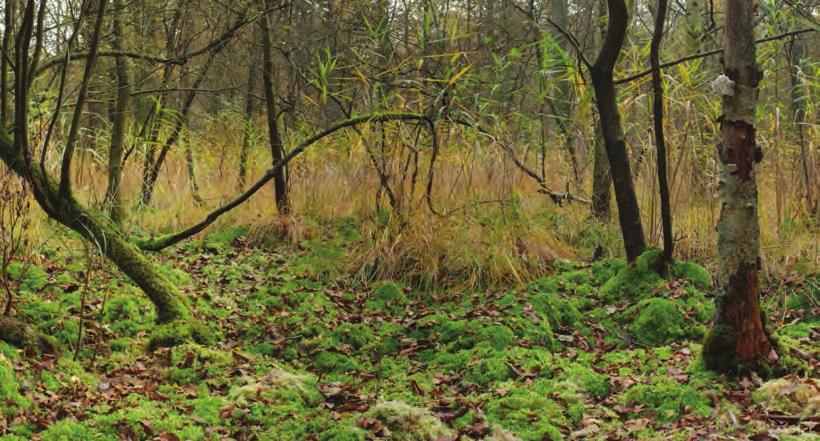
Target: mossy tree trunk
<point x="739" y="340"/>
<point x="21" y="335"/>
<point x="99" y="230"/>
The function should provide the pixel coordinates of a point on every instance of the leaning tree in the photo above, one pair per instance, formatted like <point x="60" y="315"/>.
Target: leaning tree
<point x="53" y="190"/>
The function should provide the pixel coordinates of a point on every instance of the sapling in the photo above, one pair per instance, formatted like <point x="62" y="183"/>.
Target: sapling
<point x="14" y="238"/>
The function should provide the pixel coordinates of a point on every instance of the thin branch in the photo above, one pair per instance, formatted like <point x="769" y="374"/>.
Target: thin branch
<point x="699" y="55"/>
<point x="573" y="41"/>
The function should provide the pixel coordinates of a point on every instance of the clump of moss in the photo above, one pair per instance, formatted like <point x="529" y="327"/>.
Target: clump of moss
<point x="529" y="415"/>
<point x="593" y="383"/>
<point x="638" y="280"/>
<point x="719" y="350"/>
<point x="65" y="430"/>
<point x="335" y="362"/>
<point x="659" y="321"/>
<point x="10" y="398"/>
<point x="178" y="332"/>
<point x="415" y="424"/>
<point x="667" y="399"/>
<point x="558" y="310"/>
<point x="388" y="296"/>
<point x="191" y="363"/>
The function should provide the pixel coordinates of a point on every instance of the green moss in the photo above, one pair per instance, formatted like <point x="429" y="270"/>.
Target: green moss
<point x="191" y="363"/>
<point x="10" y="398"/>
<point x="719" y="350"/>
<point x="529" y="415"/>
<point x="67" y="430"/>
<point x="335" y="362"/>
<point x="388" y="296"/>
<point x="179" y="332"/>
<point x="488" y="370"/>
<point x="639" y="280"/>
<point x="658" y="322"/>
<point x="499" y="336"/>
<point x="30" y="278"/>
<point x="667" y="399"/>
<point x="224" y="239"/>
<point x="558" y="310"/>
<point x="356" y="335"/>
<point x="591" y="382"/>
<point x="692" y="272"/>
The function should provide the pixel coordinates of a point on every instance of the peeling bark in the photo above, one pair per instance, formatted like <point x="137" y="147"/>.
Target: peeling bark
<point x="739" y="340"/>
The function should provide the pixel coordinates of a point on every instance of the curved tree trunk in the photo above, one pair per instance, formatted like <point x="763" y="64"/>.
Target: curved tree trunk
<point x="601" y="72"/>
<point x="601" y="177"/>
<point x="739" y="340"/>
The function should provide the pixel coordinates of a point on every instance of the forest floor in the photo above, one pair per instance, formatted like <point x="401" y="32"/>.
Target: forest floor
<point x="594" y="351"/>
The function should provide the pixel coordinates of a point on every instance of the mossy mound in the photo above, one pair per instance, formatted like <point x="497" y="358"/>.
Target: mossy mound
<point x="178" y="332"/>
<point x="388" y="296"/>
<point x="11" y="400"/>
<point x="639" y="280"/>
<point x="530" y="415"/>
<point x="667" y="399"/>
<point x="659" y="321"/>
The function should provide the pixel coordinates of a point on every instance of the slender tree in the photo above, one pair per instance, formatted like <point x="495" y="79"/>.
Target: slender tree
<point x="739" y="340"/>
<point x="120" y="119"/>
<point x="601" y="72"/>
<point x="660" y="142"/>
<point x="280" y="183"/>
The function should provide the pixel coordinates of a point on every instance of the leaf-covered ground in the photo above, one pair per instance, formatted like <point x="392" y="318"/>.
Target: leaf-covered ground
<point x="593" y="351"/>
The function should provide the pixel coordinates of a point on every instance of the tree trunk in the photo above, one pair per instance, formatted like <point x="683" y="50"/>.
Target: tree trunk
<point x="8" y="20"/>
<point x="193" y="182"/>
<point x="601" y="72"/>
<point x="172" y="309"/>
<point x="798" y="108"/>
<point x="23" y="336"/>
<point x="249" y="111"/>
<point x="601" y="177"/>
<point x="277" y="151"/>
<point x="660" y="142"/>
<point x="115" y="155"/>
<point x="738" y="341"/>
